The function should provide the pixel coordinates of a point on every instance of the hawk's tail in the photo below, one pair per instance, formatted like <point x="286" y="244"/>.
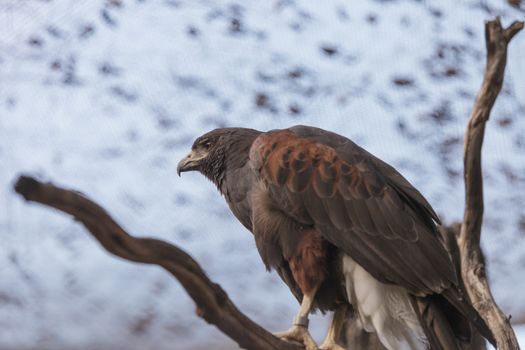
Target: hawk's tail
<point x="447" y="321"/>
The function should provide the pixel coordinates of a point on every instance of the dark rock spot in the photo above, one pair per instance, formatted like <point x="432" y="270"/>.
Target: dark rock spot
<point x="453" y="174"/>
<point x="435" y="12"/>
<point x="469" y="32"/>
<point x="235" y="25"/>
<point x="448" y="145"/>
<point x="521" y="225"/>
<point x="451" y="72"/>
<point x="446" y="61"/>
<point x="403" y="81"/>
<point x="510" y="174"/>
<point x="342" y="14"/>
<point x="68" y="68"/>
<point x="107" y="18"/>
<point x="124" y="94"/>
<point x="86" y="31"/>
<point x="10" y="299"/>
<point x="262" y="100"/>
<point x="56" y="65"/>
<point x="442" y="113"/>
<point x="166" y="123"/>
<point x="35" y="41"/>
<point x="504" y="122"/>
<point x="193" y="31"/>
<point x="296" y="73"/>
<point x="371" y="18"/>
<point x="294" y="109"/>
<point x="55" y="32"/>
<point x="108" y="69"/>
<point x="329" y="50"/>
<point x="114" y="3"/>
<point x="143" y="323"/>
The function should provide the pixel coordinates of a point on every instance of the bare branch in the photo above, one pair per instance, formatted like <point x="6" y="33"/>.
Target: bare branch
<point x="212" y="301"/>
<point x="472" y="262"/>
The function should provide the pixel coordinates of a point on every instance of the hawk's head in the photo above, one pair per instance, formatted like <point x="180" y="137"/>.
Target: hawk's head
<point x="213" y="153"/>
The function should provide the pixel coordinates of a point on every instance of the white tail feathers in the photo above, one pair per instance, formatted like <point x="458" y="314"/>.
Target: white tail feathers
<point x="383" y="309"/>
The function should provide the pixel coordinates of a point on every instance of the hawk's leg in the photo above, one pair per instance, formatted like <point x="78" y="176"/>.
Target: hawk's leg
<point x="308" y="265"/>
<point x="330" y="342"/>
<point x="299" y="331"/>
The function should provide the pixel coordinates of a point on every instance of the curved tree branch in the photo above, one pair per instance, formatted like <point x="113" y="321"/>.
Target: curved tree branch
<point x="212" y="301"/>
<point x="472" y="262"/>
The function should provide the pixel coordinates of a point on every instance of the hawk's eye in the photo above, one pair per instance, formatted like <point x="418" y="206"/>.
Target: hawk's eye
<point x="207" y="145"/>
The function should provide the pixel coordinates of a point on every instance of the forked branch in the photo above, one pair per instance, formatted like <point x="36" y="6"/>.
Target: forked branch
<point x="212" y="301"/>
<point x="472" y="263"/>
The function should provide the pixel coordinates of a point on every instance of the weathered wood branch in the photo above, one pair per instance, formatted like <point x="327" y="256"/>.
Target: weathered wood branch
<point x="212" y="302"/>
<point x="472" y="261"/>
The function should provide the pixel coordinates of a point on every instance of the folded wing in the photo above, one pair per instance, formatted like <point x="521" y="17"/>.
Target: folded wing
<point x="358" y="203"/>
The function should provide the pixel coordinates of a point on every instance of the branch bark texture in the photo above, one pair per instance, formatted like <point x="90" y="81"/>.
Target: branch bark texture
<point x="212" y="301"/>
<point x="472" y="262"/>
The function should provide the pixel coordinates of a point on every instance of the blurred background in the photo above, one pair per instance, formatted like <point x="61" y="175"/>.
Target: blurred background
<point x="106" y="97"/>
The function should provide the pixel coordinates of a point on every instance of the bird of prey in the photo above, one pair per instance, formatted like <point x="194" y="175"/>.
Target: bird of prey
<point x="341" y="227"/>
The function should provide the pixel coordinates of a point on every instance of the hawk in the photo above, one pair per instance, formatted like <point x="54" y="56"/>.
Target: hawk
<point x="341" y="227"/>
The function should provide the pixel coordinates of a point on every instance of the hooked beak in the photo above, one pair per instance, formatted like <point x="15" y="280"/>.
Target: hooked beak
<point x="190" y="162"/>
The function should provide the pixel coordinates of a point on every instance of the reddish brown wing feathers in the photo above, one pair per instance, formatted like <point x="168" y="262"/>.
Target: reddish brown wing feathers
<point x="351" y="202"/>
<point x="302" y="165"/>
<point x="294" y="162"/>
<point x="284" y="159"/>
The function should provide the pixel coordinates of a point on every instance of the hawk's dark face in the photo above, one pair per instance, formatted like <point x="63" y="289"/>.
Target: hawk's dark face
<point x="205" y="152"/>
<point x="215" y="151"/>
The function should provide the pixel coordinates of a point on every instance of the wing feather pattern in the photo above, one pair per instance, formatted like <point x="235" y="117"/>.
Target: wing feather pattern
<point x="358" y="203"/>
